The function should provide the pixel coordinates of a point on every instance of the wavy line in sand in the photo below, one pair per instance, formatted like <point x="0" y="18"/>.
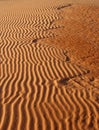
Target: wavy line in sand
<point x="40" y="89"/>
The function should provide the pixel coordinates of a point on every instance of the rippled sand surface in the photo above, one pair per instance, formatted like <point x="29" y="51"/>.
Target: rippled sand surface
<point x="49" y="65"/>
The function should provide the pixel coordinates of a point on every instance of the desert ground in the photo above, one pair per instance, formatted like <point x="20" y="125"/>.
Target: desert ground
<point x="49" y="65"/>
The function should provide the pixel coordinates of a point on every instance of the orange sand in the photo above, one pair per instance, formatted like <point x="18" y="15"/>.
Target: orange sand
<point x="49" y="65"/>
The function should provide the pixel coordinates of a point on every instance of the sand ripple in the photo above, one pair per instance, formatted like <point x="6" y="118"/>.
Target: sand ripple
<point x="40" y="89"/>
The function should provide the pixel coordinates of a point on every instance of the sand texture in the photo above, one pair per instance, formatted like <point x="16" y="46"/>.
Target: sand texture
<point x="49" y="65"/>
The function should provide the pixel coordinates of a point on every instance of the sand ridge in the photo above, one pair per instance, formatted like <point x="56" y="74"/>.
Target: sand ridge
<point x="40" y="87"/>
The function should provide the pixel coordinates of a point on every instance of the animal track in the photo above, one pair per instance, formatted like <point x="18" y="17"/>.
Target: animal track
<point x="64" y="6"/>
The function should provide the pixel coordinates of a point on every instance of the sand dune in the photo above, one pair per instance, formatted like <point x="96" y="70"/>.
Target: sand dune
<point x="40" y="87"/>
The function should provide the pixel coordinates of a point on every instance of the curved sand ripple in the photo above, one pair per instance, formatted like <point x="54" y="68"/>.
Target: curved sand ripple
<point x="41" y="89"/>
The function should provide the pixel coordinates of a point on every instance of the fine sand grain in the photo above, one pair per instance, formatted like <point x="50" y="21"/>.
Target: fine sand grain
<point x="49" y="65"/>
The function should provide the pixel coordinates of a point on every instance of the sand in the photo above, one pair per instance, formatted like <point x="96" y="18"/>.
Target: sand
<point x="49" y="65"/>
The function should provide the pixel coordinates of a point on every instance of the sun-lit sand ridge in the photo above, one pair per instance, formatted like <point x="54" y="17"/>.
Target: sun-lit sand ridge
<point x="49" y="57"/>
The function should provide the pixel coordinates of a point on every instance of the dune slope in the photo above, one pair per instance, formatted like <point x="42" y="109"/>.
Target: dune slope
<point x="41" y="88"/>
